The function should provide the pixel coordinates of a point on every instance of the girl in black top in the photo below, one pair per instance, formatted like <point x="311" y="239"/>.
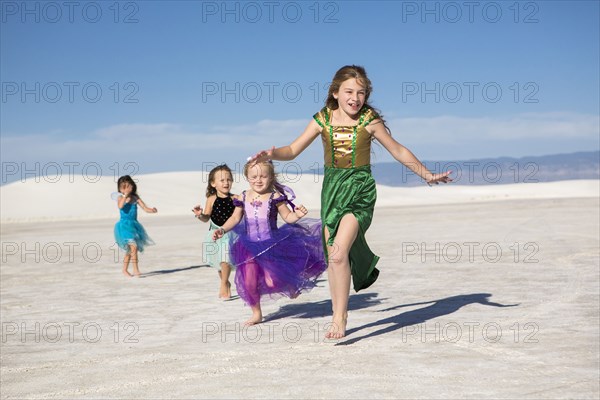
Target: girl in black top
<point x="219" y="207"/>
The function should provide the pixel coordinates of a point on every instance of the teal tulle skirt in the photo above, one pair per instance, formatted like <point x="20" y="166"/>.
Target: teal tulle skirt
<point x="129" y="231"/>
<point x="216" y="252"/>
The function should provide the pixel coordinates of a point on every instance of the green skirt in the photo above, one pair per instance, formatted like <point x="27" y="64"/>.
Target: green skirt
<point x="345" y="191"/>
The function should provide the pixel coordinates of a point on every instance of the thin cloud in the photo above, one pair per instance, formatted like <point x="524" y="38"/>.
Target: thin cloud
<point x="445" y="129"/>
<point x="173" y="143"/>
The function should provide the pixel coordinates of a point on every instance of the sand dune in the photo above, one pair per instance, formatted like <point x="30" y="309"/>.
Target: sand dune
<point x="174" y="193"/>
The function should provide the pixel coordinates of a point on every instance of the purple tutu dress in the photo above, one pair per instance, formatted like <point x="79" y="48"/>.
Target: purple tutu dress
<point x="275" y="261"/>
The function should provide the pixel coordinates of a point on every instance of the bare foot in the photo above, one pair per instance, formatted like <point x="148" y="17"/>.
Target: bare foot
<point x="225" y="291"/>
<point x="126" y="273"/>
<point x="337" y="329"/>
<point x="255" y="319"/>
<point x="137" y="274"/>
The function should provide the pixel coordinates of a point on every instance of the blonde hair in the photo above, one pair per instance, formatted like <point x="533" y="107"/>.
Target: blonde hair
<point x="270" y="168"/>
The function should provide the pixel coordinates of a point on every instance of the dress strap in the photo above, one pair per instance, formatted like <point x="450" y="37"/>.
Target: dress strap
<point x="239" y="203"/>
<point x="368" y="116"/>
<point x="287" y="194"/>
<point x="322" y="118"/>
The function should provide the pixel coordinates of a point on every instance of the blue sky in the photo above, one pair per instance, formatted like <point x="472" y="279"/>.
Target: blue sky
<point x="183" y="84"/>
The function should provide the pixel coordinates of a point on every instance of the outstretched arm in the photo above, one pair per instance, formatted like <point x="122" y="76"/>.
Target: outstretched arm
<point x="291" y="151"/>
<point x="404" y="155"/>
<point x="204" y="215"/>
<point x="145" y="207"/>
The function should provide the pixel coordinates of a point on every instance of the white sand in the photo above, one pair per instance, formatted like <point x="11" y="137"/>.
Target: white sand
<point x="429" y="328"/>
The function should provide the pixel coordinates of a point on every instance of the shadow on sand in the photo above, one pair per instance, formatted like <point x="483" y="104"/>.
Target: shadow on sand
<point x="323" y="308"/>
<point x="170" y="271"/>
<point x="436" y="308"/>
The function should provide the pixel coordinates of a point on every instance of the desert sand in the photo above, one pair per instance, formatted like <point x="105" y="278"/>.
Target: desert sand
<point x="484" y="292"/>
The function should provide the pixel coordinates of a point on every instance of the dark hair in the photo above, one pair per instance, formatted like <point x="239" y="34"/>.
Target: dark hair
<point x="211" y="177"/>
<point x="349" y="72"/>
<point x="127" y="179"/>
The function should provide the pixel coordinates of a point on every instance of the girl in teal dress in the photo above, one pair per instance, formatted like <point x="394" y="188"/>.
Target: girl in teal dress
<point x="347" y="125"/>
<point x="130" y="235"/>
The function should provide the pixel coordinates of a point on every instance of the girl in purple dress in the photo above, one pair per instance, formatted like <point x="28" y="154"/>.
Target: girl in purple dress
<point x="270" y="260"/>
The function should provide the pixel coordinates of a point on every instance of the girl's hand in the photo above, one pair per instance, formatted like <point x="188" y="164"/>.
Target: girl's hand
<point x="218" y="234"/>
<point x="300" y="211"/>
<point x="262" y="156"/>
<point x="437" y="178"/>
<point x="197" y="211"/>
<point x="153" y="210"/>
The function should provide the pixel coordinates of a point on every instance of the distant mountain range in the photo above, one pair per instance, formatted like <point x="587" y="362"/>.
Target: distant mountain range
<point x="502" y="170"/>
<point x="483" y="171"/>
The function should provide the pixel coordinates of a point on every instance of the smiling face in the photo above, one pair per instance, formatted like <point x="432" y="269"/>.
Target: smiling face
<point x="351" y="96"/>
<point x="260" y="177"/>
<point x="222" y="182"/>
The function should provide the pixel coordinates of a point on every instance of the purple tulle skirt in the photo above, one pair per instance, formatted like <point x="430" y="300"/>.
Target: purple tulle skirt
<point x="286" y="264"/>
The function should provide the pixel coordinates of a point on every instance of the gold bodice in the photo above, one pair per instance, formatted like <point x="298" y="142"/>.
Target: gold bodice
<point x="346" y="146"/>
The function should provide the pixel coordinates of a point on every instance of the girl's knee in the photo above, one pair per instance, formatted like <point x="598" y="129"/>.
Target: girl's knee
<point x="337" y="258"/>
<point x="337" y="254"/>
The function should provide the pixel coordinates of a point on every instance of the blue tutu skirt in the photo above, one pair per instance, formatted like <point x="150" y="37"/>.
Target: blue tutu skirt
<point x="287" y="264"/>
<point x="131" y="232"/>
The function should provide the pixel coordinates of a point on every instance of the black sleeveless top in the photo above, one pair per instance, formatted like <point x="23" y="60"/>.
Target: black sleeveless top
<point x="222" y="209"/>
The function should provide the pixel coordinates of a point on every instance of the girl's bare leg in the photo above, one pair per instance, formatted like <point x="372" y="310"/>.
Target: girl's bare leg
<point x="339" y="275"/>
<point x="134" y="260"/>
<point x="252" y="287"/>
<point x="256" y="316"/>
<point x="126" y="265"/>
<point x="330" y="272"/>
<point x="225" y="290"/>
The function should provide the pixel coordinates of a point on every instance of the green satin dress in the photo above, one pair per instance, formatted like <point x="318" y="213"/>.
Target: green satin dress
<point x="349" y="187"/>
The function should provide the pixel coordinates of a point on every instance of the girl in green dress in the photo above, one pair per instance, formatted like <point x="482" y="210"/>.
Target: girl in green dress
<point x="347" y="125"/>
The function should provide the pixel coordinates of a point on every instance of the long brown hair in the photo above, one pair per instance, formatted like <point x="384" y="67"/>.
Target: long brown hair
<point x="360" y="74"/>
<point x="343" y="74"/>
